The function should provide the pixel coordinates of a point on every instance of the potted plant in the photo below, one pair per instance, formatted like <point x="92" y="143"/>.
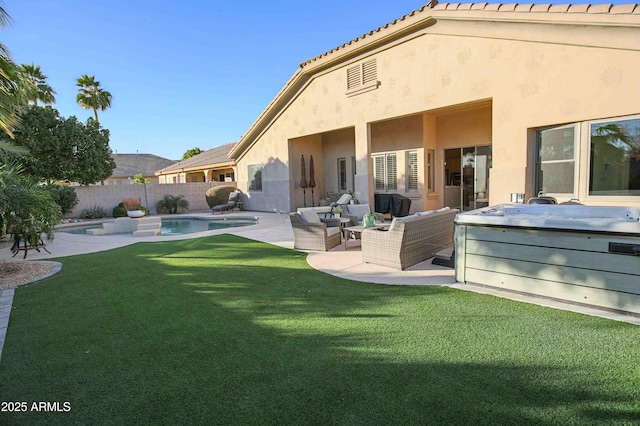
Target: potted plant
<point x="134" y="209"/>
<point x="337" y="211"/>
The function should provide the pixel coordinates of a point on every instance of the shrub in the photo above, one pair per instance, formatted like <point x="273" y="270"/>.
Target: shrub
<point x="93" y="212"/>
<point x="218" y="195"/>
<point x="119" y="211"/>
<point x="64" y="196"/>
<point x="172" y="204"/>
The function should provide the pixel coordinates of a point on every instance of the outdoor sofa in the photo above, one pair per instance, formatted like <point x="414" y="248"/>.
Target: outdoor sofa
<point x="410" y="239"/>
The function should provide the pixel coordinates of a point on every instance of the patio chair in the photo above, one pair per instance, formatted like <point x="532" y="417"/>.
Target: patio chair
<point x="343" y="200"/>
<point x="355" y="212"/>
<point x="234" y="202"/>
<point x="310" y="233"/>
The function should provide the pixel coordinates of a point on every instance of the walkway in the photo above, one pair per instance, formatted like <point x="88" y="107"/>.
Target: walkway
<point x="275" y="229"/>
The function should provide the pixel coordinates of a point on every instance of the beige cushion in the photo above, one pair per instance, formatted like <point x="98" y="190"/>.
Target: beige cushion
<point x="344" y="199"/>
<point x="333" y="230"/>
<point x="358" y="210"/>
<point x="393" y="223"/>
<point x="309" y="215"/>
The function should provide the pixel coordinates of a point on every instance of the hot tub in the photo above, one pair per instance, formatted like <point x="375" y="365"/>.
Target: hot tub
<point x="580" y="254"/>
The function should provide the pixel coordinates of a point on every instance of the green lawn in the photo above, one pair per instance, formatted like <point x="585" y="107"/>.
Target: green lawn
<point x="225" y="330"/>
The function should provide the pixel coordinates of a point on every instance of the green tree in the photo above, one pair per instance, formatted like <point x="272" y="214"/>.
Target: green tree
<point x="91" y="95"/>
<point x="191" y="152"/>
<point x="63" y="149"/>
<point x="139" y="179"/>
<point x="35" y="86"/>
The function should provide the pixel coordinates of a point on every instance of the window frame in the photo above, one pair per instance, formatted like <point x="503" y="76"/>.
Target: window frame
<point x="431" y="171"/>
<point x="252" y="170"/>
<point x="575" y="160"/>
<point x="411" y="171"/>
<point x="587" y="160"/>
<point x="342" y="175"/>
<point x="385" y="175"/>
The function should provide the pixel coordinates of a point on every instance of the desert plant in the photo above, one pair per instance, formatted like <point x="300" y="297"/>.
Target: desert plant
<point x="218" y="195"/>
<point x="130" y="204"/>
<point x="93" y="212"/>
<point x="172" y="204"/>
<point x="27" y="209"/>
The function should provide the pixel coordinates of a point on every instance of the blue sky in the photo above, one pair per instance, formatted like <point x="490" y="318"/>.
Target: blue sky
<point x="184" y="74"/>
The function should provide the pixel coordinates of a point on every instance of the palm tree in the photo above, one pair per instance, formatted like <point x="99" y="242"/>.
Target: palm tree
<point x="35" y="85"/>
<point x="8" y="83"/>
<point x="91" y="95"/>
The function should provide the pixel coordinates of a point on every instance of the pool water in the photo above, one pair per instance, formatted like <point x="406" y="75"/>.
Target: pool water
<point x="179" y="226"/>
<point x="189" y="226"/>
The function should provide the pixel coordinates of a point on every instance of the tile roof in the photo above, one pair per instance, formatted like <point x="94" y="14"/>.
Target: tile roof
<point x="434" y="6"/>
<point x="129" y="165"/>
<point x="215" y="156"/>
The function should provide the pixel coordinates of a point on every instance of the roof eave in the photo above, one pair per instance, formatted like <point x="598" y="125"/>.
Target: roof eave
<point x="196" y="168"/>
<point x="383" y="35"/>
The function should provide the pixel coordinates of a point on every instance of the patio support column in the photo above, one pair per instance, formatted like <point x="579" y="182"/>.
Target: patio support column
<point x="362" y="182"/>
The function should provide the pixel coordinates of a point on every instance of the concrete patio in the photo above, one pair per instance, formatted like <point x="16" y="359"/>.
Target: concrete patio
<point x="274" y="228"/>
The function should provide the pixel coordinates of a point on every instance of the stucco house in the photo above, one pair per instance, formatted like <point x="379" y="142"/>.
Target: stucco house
<point x="460" y="105"/>
<point x="129" y="165"/>
<point x="208" y="166"/>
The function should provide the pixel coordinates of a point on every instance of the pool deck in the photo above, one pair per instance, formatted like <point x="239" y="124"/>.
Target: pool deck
<point x="274" y="228"/>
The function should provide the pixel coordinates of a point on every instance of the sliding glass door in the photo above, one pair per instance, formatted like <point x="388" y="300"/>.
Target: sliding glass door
<point x="467" y="177"/>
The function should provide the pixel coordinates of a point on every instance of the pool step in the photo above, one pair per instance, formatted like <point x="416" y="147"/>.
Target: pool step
<point x="95" y="231"/>
<point x="141" y="227"/>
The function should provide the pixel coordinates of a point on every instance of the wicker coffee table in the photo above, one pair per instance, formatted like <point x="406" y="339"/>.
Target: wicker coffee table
<point x="355" y="231"/>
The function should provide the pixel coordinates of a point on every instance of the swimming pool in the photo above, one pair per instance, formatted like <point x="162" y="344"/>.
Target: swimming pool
<point x="179" y="226"/>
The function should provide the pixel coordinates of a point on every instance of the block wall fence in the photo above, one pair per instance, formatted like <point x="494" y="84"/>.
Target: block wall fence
<point x="109" y="196"/>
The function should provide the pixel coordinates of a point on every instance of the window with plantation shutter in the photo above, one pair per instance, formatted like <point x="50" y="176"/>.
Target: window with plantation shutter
<point x="412" y="171"/>
<point x="362" y="77"/>
<point x="385" y="172"/>
<point x="392" y="173"/>
<point x="378" y="172"/>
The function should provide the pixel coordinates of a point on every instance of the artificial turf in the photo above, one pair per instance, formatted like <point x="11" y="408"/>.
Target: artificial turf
<point x="226" y="330"/>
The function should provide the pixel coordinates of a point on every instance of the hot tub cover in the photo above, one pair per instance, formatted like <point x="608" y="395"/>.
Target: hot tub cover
<point x="607" y="219"/>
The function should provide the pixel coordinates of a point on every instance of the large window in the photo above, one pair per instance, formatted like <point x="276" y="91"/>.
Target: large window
<point x="556" y="165"/>
<point x="614" y="157"/>
<point x="385" y="172"/>
<point x="254" y="174"/>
